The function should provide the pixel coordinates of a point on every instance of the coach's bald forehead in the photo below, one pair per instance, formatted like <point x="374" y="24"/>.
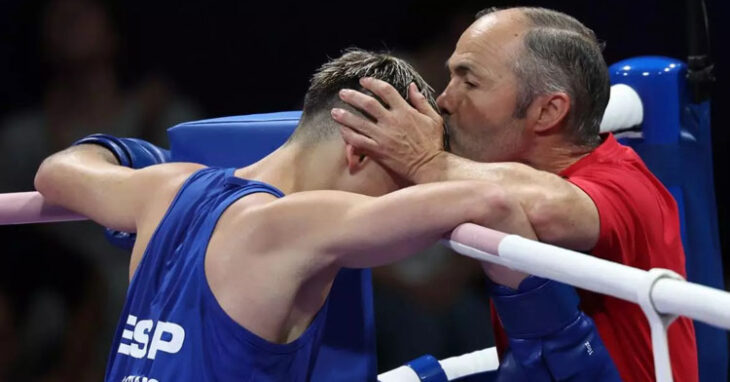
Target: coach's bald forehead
<point x="491" y="42"/>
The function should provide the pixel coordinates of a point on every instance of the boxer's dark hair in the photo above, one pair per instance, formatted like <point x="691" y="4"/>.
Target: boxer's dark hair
<point x="562" y="54"/>
<point x="345" y="72"/>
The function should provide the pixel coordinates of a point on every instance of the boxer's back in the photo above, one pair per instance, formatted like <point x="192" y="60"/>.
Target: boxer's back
<point x="172" y="326"/>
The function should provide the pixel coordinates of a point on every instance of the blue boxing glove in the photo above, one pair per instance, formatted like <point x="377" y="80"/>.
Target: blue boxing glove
<point x="130" y="152"/>
<point x="549" y="338"/>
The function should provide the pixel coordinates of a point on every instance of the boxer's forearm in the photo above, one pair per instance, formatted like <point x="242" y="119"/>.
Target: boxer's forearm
<point x="106" y="178"/>
<point x="60" y="172"/>
<point x="86" y="179"/>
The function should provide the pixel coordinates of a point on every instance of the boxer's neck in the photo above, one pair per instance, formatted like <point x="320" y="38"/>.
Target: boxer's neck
<point x="296" y="167"/>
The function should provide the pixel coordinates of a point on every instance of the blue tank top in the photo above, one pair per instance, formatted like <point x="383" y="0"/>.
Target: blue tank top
<point x="172" y="328"/>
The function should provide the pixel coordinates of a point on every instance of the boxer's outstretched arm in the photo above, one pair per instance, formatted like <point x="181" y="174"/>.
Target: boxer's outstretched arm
<point x="87" y="179"/>
<point x="354" y="230"/>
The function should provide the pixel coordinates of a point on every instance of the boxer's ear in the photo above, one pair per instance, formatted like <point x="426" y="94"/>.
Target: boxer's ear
<point x="355" y="160"/>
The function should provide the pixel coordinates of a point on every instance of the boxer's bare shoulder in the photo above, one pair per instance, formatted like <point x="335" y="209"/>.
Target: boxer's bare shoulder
<point x="156" y="187"/>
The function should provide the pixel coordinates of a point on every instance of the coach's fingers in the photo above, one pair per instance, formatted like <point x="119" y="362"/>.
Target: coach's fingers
<point x="419" y="101"/>
<point x="357" y="123"/>
<point x="385" y="91"/>
<point x="363" y="102"/>
<point x="358" y="140"/>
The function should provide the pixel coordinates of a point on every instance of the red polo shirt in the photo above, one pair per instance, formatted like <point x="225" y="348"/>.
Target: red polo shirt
<point x="639" y="227"/>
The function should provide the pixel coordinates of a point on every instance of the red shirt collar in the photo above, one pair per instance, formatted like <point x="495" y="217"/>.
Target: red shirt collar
<point x="606" y="151"/>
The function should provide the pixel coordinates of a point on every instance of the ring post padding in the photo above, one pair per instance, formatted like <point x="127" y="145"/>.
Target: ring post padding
<point x="235" y="141"/>
<point x="660" y="83"/>
<point x="675" y="143"/>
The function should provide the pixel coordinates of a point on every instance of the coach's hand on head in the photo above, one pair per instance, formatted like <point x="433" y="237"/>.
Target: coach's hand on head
<point x="404" y="137"/>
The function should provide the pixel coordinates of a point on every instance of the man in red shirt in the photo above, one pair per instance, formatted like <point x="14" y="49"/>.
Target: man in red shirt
<point x="639" y="226"/>
<point x="523" y="107"/>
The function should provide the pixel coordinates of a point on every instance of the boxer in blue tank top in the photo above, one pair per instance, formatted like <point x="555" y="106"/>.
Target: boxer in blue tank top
<point x="229" y="277"/>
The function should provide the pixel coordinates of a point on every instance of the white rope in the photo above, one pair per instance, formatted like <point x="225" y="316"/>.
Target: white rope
<point x="480" y="361"/>
<point x="476" y="362"/>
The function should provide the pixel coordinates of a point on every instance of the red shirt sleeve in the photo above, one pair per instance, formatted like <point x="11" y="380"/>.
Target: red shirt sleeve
<point x="638" y="217"/>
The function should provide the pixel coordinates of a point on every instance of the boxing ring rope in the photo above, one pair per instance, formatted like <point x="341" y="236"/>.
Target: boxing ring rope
<point x="29" y="207"/>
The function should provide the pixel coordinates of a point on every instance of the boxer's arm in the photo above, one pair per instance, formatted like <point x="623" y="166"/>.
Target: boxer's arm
<point x="354" y="230"/>
<point x="87" y="179"/>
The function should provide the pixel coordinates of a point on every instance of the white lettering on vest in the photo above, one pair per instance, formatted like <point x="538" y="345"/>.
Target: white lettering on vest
<point x="167" y="337"/>
<point x="137" y="378"/>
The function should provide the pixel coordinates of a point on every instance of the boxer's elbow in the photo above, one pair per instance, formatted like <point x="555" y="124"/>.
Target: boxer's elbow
<point x="54" y="178"/>
<point x="45" y="179"/>
<point x="63" y="174"/>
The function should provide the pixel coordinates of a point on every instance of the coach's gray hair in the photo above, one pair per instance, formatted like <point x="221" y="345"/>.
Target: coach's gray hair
<point x="345" y="72"/>
<point x="562" y="55"/>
